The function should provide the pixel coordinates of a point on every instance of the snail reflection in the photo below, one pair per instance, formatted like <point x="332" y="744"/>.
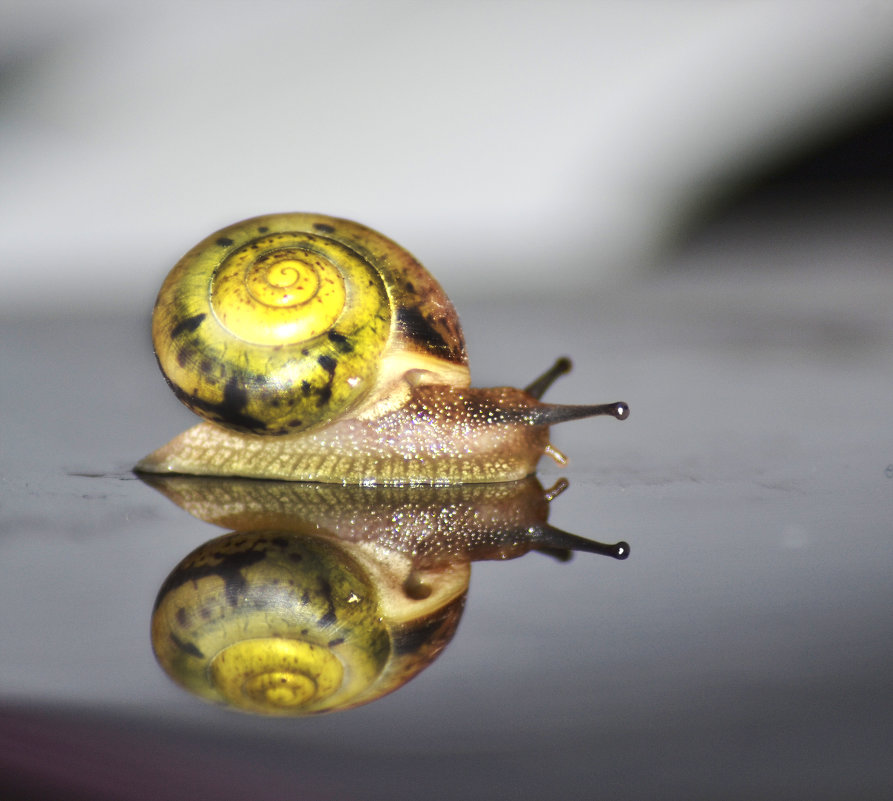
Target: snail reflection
<point x="327" y="597"/>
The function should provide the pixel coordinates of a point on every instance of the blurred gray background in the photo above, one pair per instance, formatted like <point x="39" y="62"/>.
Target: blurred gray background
<point x="491" y="139"/>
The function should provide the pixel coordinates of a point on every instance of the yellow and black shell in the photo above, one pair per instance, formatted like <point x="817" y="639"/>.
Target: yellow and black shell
<point x="278" y="623"/>
<point x="279" y="323"/>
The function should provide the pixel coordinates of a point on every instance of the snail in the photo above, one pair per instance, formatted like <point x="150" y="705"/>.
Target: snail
<point x="330" y="597"/>
<point x="317" y="349"/>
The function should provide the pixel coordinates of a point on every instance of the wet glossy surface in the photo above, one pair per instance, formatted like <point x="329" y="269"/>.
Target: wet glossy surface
<point x="743" y="650"/>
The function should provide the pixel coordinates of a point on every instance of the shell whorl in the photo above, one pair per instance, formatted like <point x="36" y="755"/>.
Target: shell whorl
<point x="276" y="622"/>
<point x="279" y="323"/>
<point x="270" y="625"/>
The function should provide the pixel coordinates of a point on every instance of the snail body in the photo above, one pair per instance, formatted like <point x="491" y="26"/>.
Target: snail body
<point x="319" y="350"/>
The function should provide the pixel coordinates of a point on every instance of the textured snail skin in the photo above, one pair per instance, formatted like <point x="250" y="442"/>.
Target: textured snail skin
<point x="440" y="436"/>
<point x="319" y="350"/>
<point x="430" y="526"/>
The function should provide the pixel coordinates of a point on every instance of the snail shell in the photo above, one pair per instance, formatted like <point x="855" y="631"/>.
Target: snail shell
<point x="278" y="623"/>
<point x="320" y="350"/>
<point x="280" y="323"/>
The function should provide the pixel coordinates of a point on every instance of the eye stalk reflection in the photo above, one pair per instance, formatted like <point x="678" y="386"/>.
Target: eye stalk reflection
<point x="328" y="597"/>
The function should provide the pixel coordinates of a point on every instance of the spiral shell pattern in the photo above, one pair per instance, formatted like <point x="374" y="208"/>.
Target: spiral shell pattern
<point x="271" y="624"/>
<point x="272" y="325"/>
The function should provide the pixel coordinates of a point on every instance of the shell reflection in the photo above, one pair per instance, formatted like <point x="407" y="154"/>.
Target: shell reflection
<point x="329" y="597"/>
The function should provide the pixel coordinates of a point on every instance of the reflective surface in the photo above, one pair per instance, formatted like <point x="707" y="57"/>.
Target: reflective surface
<point x="743" y="650"/>
<point x="330" y="597"/>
